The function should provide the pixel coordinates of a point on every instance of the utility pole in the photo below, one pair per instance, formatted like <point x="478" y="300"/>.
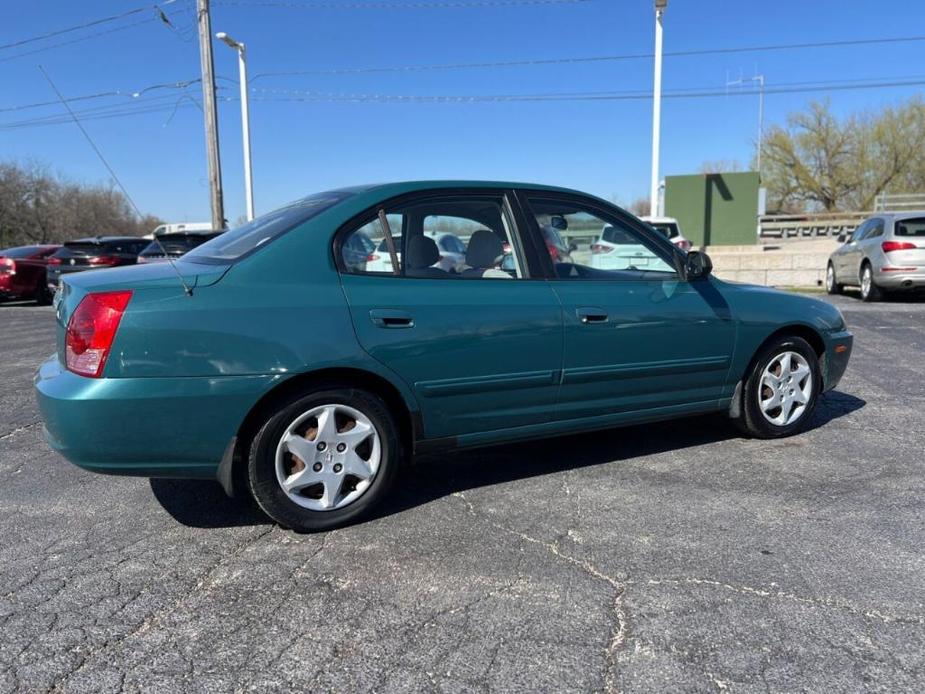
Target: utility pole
<point x="211" y="116"/>
<point x="660" y="6"/>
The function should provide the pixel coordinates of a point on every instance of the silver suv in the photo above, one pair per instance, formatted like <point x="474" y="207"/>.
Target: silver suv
<point x="886" y="253"/>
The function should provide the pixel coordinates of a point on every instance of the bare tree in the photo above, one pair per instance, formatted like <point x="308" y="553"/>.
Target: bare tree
<point x="640" y="207"/>
<point x="38" y="207"/>
<point x="821" y="162"/>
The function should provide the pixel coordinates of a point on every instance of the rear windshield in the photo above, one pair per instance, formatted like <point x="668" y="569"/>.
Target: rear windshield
<point x="619" y="236"/>
<point x="244" y="239"/>
<point x="911" y="227"/>
<point x="21" y="252"/>
<point x="668" y="229"/>
<point x="176" y="244"/>
<point x="90" y="248"/>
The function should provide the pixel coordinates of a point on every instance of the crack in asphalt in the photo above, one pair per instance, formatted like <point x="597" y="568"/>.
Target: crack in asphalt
<point x="618" y="631"/>
<point x="19" y="430"/>
<point x="834" y="603"/>
<point x="154" y="617"/>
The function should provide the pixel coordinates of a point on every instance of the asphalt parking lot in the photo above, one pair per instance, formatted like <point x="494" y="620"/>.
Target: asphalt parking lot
<point x="673" y="557"/>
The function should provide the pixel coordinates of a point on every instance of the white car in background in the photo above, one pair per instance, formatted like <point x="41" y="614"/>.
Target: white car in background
<point x="617" y="249"/>
<point x="669" y="227"/>
<point x="452" y="253"/>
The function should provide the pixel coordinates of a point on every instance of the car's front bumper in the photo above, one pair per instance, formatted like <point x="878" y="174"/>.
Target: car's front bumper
<point x="837" y="355"/>
<point x="154" y="427"/>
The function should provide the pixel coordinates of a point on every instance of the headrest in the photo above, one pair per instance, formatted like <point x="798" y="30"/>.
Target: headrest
<point x="485" y="249"/>
<point x="422" y="252"/>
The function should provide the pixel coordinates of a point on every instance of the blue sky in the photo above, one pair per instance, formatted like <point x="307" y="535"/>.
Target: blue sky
<point x="304" y="146"/>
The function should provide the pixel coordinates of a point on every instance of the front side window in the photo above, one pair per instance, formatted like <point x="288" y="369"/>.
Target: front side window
<point x="614" y="250"/>
<point x="435" y="238"/>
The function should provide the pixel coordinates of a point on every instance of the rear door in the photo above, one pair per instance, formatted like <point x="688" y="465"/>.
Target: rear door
<point x="480" y="346"/>
<point x="637" y="337"/>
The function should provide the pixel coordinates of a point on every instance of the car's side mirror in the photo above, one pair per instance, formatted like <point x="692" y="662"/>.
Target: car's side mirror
<point x="697" y="265"/>
<point x="842" y="237"/>
<point x="572" y="247"/>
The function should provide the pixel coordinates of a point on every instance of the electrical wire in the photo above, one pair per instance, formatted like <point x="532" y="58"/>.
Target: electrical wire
<point x="85" y="25"/>
<point x="590" y="59"/>
<point x="134" y="93"/>
<point x="435" y="5"/>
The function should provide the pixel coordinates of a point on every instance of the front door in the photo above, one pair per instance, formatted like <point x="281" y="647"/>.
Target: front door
<point x="459" y="319"/>
<point x="637" y="337"/>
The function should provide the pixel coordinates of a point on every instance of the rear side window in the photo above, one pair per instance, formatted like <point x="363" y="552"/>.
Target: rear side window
<point x="238" y="242"/>
<point x="668" y="230"/>
<point x="911" y="227"/>
<point x="435" y="238"/>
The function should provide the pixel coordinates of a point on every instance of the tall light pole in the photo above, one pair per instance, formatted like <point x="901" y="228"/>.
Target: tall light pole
<point x="660" y="6"/>
<point x="245" y="119"/>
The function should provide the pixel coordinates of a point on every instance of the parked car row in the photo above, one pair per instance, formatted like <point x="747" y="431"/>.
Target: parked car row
<point x="34" y="272"/>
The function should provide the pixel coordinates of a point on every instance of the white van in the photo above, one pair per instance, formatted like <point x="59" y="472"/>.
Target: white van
<point x="181" y="226"/>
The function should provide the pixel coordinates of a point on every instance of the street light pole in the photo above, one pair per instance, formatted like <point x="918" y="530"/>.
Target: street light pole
<point x="245" y="119"/>
<point x="660" y="6"/>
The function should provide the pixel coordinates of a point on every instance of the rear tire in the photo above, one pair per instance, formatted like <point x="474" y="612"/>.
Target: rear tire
<point x="831" y="286"/>
<point x="344" y="474"/>
<point x="43" y="297"/>
<point x="781" y="390"/>
<point x="869" y="289"/>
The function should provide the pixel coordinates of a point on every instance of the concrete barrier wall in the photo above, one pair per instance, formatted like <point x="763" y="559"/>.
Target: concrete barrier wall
<point x="791" y="265"/>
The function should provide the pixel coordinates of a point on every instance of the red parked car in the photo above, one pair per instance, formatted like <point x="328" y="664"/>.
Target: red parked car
<point x="23" y="273"/>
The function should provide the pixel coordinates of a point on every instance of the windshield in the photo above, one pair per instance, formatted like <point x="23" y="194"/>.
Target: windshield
<point x="244" y="239"/>
<point x="176" y="244"/>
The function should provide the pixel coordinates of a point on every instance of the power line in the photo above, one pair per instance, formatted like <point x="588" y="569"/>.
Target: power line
<point x="591" y="59"/>
<point x="85" y="25"/>
<point x="147" y="105"/>
<point x="689" y="93"/>
<point x="133" y="93"/>
<point x="426" y="5"/>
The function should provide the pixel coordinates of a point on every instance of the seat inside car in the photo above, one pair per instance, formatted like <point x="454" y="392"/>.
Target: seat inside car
<point x="422" y="255"/>
<point x="484" y="255"/>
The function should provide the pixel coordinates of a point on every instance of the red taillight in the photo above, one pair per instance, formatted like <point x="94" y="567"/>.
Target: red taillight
<point x="888" y="246"/>
<point x="597" y="248"/>
<point x="684" y="245"/>
<point x="91" y="330"/>
<point x="553" y="252"/>
<point x="103" y="260"/>
<point x="7" y="266"/>
<point x="371" y="257"/>
<point x="54" y="261"/>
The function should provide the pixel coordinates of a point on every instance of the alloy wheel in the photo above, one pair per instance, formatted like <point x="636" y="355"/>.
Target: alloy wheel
<point x="866" y="281"/>
<point x="786" y="388"/>
<point x="328" y="457"/>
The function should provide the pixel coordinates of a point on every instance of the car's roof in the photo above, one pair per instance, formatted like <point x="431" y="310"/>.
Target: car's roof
<point x="659" y="220"/>
<point x="905" y="214"/>
<point x="399" y="187"/>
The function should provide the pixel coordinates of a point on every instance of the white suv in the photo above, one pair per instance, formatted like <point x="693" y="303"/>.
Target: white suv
<point x="670" y="228"/>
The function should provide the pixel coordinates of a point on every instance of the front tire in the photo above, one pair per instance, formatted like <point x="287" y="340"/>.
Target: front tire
<point x="869" y="289"/>
<point x="325" y="459"/>
<point x="831" y="286"/>
<point x="781" y="390"/>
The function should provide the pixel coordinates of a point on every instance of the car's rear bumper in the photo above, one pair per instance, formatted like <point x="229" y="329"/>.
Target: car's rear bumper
<point x="892" y="280"/>
<point x="153" y="427"/>
<point x="838" y="353"/>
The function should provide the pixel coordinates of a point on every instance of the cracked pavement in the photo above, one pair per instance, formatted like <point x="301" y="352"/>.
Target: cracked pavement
<point x="669" y="557"/>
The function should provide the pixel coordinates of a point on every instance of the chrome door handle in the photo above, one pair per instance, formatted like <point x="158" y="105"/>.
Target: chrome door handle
<point x="390" y="318"/>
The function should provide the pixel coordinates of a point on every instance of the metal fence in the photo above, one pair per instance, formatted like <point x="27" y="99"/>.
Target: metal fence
<point x="899" y="202"/>
<point x="787" y="226"/>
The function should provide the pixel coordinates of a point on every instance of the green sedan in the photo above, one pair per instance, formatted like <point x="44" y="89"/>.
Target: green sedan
<point x="283" y="360"/>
